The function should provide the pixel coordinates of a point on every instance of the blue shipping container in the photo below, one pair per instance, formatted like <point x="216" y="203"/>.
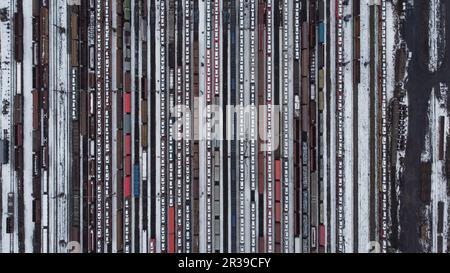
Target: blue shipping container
<point x="136" y="180"/>
<point x="321" y="33"/>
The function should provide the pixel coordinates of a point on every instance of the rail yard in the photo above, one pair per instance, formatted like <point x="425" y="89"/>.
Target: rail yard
<point x="224" y="126"/>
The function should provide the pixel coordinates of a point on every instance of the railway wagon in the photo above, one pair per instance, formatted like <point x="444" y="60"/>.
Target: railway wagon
<point x="321" y="79"/>
<point x="119" y="229"/>
<point x="119" y="107"/>
<point x="83" y="112"/>
<point x="312" y="33"/>
<point x="4" y="148"/>
<point x="144" y="135"/>
<point x="320" y="10"/>
<point x="74" y="52"/>
<point x="18" y="36"/>
<point x="127" y="166"/>
<point x="441" y="137"/>
<point x="322" y="235"/>
<point x="136" y="180"/>
<point x="278" y="205"/>
<point x="144" y="111"/>
<point x="144" y="88"/>
<point x="425" y="181"/>
<point x="356" y="71"/>
<point x="36" y="8"/>
<point x="127" y="187"/>
<point x="305" y="34"/>
<point x="127" y="102"/>
<point x="119" y="67"/>
<point x="119" y="151"/>
<point x="305" y="63"/>
<point x="321" y="56"/>
<point x="440" y="225"/>
<point x="18" y="135"/>
<point x="312" y="112"/>
<point x="171" y="233"/>
<point x="305" y="91"/>
<point x="321" y="32"/>
<point x="18" y="108"/>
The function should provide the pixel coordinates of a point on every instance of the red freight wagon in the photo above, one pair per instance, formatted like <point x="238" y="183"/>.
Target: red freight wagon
<point x="277" y="190"/>
<point x="127" y="144"/>
<point x="171" y="230"/>
<point x="127" y="102"/>
<point x="277" y="211"/>
<point x="277" y="169"/>
<point x="128" y="165"/>
<point x="322" y="235"/>
<point x="127" y="187"/>
<point x="19" y="135"/>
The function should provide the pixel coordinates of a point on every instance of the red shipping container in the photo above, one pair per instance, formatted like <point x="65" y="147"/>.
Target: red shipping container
<point x="127" y="144"/>
<point x="127" y="102"/>
<point x="171" y="230"/>
<point x="127" y="187"/>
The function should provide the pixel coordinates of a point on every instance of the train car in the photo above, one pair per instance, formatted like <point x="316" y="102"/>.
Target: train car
<point x="321" y="32"/>
<point x="441" y="137"/>
<point x="322" y="235"/>
<point x="18" y="35"/>
<point x="171" y="233"/>
<point x="127" y="187"/>
<point x="18" y="135"/>
<point x="136" y="180"/>
<point x="144" y="135"/>
<point x="321" y="56"/>
<point x="119" y="151"/>
<point x="4" y="151"/>
<point x="440" y="222"/>
<point x="127" y="165"/>
<point x="425" y="181"/>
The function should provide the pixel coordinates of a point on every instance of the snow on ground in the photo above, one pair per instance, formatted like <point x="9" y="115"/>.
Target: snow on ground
<point x="58" y="128"/>
<point x="364" y="133"/>
<point x="28" y="126"/>
<point x="438" y="108"/>
<point x="436" y="36"/>
<point x="391" y="45"/>
<point x="348" y="130"/>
